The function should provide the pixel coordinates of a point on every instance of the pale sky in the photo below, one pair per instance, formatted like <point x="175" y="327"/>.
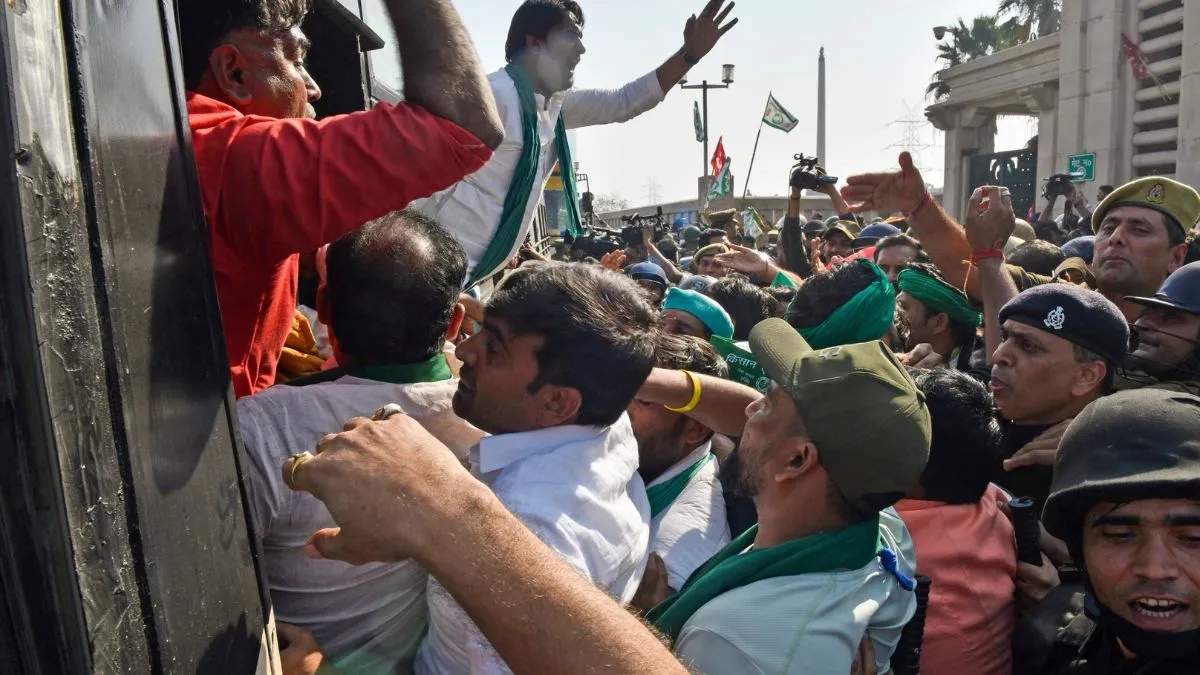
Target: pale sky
<point x="879" y="58"/>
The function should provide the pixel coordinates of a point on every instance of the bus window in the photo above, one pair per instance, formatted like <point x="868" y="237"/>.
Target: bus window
<point x="384" y="63"/>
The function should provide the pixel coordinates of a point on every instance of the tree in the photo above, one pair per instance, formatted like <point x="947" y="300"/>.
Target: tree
<point x="986" y="35"/>
<point x="608" y="203"/>
<point x="1044" y="15"/>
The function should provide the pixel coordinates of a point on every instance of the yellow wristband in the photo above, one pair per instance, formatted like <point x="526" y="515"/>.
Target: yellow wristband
<point x="691" y="405"/>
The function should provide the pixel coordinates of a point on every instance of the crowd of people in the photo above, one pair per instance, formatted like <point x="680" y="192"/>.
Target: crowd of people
<point x="707" y="452"/>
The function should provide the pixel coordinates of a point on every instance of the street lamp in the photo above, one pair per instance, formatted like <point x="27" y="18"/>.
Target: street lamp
<point x="704" y="86"/>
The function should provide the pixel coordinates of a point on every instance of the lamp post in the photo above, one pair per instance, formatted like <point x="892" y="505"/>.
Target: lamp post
<point x="704" y="86"/>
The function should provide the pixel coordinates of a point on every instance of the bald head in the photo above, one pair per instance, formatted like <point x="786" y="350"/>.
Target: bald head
<point x="391" y="289"/>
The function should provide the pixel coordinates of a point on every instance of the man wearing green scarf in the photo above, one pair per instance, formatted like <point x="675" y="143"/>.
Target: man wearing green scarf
<point x="841" y="436"/>
<point x="849" y="303"/>
<point x="491" y="211"/>
<point x="937" y="314"/>
<point x="676" y="461"/>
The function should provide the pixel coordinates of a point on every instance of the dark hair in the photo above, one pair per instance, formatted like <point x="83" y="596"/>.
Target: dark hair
<point x="711" y="236"/>
<point x="823" y="293"/>
<point x="598" y="329"/>
<point x="1048" y="231"/>
<point x="535" y="19"/>
<point x="1107" y="188"/>
<point x="901" y="239"/>
<point x="1037" y="257"/>
<point x="392" y="287"/>
<point x="204" y="24"/>
<point x="746" y="303"/>
<point x="966" y="451"/>
<point x="684" y="352"/>
<point x="784" y="294"/>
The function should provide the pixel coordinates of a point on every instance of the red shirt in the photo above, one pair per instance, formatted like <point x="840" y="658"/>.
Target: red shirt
<point x="969" y="552"/>
<point x="275" y="188"/>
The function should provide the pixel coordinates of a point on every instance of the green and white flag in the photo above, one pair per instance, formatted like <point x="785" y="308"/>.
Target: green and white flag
<point x="721" y="185"/>
<point x="698" y="122"/>
<point x="778" y="116"/>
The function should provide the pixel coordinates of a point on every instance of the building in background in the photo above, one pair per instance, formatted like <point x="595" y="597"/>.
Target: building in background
<point x="1094" y="116"/>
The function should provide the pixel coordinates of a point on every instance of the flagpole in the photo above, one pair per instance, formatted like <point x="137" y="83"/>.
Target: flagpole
<point x="750" y="169"/>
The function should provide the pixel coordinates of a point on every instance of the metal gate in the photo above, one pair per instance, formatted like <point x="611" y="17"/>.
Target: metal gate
<point x="1015" y="170"/>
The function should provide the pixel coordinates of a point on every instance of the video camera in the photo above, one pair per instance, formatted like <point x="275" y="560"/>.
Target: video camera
<point x="595" y="242"/>
<point x="806" y="175"/>
<point x="1060" y="184"/>
<point x="631" y="234"/>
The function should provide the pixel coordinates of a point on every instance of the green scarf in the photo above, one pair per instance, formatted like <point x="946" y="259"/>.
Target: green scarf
<point x="865" y="318"/>
<point x="664" y="494"/>
<point x="730" y="569"/>
<point x="524" y="179"/>
<point x="433" y="370"/>
<point x="940" y="297"/>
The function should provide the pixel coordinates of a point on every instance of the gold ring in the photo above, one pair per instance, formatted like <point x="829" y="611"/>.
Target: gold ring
<point x="297" y="460"/>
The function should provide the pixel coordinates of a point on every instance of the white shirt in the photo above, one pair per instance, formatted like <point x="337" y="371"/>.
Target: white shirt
<point x="577" y="488"/>
<point x="808" y="623"/>
<point x="471" y="208"/>
<point x="368" y="618"/>
<point x="694" y="527"/>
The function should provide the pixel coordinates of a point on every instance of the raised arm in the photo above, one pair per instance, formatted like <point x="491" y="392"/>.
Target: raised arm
<point x="986" y="230"/>
<point x="722" y="405"/>
<point x="589" y="107"/>
<point x="441" y="69"/>
<point x="397" y="493"/>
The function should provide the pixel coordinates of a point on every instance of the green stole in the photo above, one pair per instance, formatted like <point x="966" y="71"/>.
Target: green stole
<point x="524" y="179"/>
<point x="846" y="549"/>
<point x="664" y="494"/>
<point x="434" y="369"/>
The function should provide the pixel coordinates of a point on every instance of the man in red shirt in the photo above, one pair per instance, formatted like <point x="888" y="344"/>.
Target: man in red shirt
<point x="276" y="183"/>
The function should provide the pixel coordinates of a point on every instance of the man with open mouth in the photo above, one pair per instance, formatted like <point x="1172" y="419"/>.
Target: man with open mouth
<point x="1126" y="500"/>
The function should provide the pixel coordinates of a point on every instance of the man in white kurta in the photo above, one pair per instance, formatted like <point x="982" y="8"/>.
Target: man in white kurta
<point x="546" y="39"/>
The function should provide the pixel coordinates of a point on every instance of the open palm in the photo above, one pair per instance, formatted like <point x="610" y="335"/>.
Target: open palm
<point x="900" y="190"/>
<point x="701" y="33"/>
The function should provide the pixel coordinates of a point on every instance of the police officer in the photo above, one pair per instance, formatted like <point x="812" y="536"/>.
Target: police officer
<point x="1168" y="336"/>
<point x="1126" y="500"/>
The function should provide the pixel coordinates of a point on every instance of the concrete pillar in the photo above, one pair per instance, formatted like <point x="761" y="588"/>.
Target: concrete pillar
<point x="1043" y="102"/>
<point x="969" y="131"/>
<point x="1094" y="87"/>
<point x="1187" y="166"/>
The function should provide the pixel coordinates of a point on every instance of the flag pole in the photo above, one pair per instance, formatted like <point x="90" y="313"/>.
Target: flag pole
<point x="750" y="169"/>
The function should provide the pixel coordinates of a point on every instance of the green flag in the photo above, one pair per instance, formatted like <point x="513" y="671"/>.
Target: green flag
<point x="777" y="116"/>
<point x="698" y="122"/>
<point x="721" y="184"/>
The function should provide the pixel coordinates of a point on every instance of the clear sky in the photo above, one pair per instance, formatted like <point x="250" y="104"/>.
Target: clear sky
<point x="879" y="58"/>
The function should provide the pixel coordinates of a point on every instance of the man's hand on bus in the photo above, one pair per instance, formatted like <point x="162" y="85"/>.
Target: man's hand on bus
<point x="302" y="656"/>
<point x="391" y="487"/>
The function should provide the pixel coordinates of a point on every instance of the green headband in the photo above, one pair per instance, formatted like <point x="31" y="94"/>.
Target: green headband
<point x="866" y="317"/>
<point x="940" y="297"/>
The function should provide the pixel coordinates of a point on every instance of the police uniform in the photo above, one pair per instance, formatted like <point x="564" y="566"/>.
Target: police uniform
<point x="1127" y="447"/>
<point x="1180" y="293"/>
<point x="1178" y="202"/>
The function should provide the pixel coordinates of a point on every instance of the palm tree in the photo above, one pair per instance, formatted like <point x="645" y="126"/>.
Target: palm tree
<point x="1045" y="15"/>
<point x="986" y="35"/>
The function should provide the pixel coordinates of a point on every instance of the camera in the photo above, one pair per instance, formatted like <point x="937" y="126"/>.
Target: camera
<point x="1059" y="185"/>
<point x="806" y="175"/>
<point x="631" y="234"/>
<point x="594" y="242"/>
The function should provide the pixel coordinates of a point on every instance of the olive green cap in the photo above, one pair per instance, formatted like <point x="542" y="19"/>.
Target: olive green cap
<point x="861" y="409"/>
<point x="1178" y="202"/>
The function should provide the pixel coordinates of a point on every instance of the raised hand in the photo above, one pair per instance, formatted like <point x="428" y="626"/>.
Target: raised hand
<point x="744" y="260"/>
<point x="990" y="219"/>
<point x="702" y="32"/>
<point x="613" y="261"/>
<point x="902" y="190"/>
